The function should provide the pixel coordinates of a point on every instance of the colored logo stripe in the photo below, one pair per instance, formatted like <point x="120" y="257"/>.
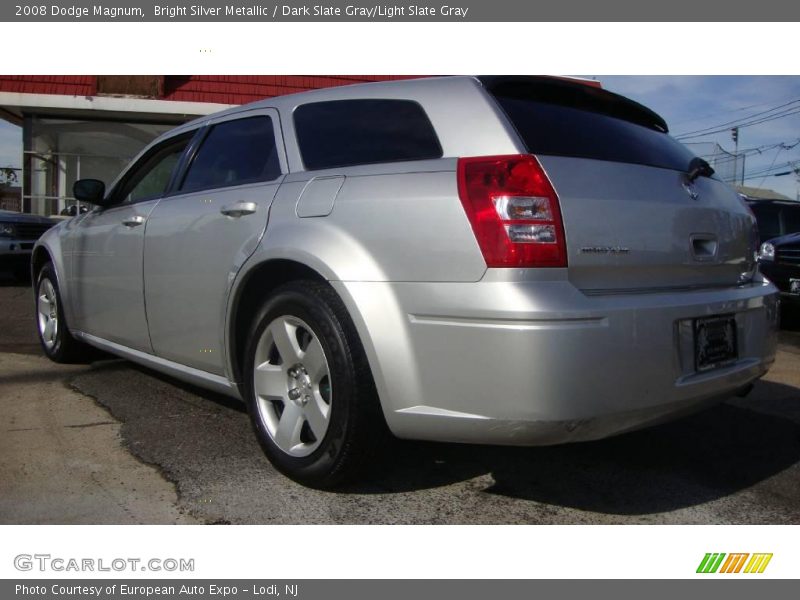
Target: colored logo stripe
<point x="758" y="563"/>
<point x="710" y="562"/>
<point x="733" y="564"/>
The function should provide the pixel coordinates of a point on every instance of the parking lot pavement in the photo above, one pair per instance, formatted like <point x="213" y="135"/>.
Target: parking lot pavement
<point x="190" y="455"/>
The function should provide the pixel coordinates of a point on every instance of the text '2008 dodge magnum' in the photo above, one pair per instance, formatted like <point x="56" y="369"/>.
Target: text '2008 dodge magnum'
<point x="499" y="260"/>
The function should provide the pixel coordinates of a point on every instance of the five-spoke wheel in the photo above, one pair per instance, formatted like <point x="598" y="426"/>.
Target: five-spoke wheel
<point x="54" y="335"/>
<point x="308" y="387"/>
<point x="47" y="312"/>
<point x="292" y="383"/>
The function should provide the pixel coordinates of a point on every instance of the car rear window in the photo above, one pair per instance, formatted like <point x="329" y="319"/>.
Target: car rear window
<point x="581" y="121"/>
<point x="342" y="133"/>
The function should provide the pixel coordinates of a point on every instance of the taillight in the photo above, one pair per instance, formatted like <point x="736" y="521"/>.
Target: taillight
<point x="513" y="210"/>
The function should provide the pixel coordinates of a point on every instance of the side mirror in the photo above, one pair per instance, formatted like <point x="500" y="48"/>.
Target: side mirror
<point x="92" y="191"/>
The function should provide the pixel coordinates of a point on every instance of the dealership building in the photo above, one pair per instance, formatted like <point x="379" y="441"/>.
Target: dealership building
<point x="83" y="126"/>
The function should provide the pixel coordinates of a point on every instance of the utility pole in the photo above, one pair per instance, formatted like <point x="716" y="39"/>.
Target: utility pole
<point x="735" y="136"/>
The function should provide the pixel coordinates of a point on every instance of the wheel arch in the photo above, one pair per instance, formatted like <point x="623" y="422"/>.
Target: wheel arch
<point x="266" y="271"/>
<point x="41" y="256"/>
<point x="251" y="289"/>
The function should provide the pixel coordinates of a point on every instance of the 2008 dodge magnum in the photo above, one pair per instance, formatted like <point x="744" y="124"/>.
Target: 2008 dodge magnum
<point x="504" y="260"/>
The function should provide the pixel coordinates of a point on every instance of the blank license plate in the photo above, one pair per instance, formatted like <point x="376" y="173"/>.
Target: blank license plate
<point x="714" y="342"/>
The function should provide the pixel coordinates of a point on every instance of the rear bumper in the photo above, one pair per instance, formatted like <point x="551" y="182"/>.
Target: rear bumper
<point x="539" y="362"/>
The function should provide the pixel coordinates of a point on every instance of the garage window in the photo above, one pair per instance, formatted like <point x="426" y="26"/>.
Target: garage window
<point x="344" y="133"/>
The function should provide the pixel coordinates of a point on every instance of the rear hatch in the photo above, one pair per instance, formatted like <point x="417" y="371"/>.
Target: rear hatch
<point x="633" y="219"/>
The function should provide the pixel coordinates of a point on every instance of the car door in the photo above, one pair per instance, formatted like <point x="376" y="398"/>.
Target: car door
<point x="108" y="245"/>
<point x="202" y="232"/>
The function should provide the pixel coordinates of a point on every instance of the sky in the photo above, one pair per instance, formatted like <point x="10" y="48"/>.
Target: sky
<point x="693" y="103"/>
<point x="688" y="103"/>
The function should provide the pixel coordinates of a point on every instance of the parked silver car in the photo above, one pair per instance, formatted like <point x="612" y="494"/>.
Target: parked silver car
<point x="500" y="260"/>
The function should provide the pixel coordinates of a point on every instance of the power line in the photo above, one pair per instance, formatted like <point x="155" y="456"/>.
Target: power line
<point x="758" y="121"/>
<point x="787" y="145"/>
<point x="792" y="165"/>
<point x="725" y="112"/>
<point x="772" y="164"/>
<point x="771" y="170"/>
<point x="736" y="121"/>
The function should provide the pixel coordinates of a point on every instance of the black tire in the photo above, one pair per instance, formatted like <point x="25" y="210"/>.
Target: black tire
<point x="65" y="349"/>
<point x="356" y="425"/>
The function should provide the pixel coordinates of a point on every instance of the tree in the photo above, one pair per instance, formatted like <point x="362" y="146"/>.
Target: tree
<point x="8" y="176"/>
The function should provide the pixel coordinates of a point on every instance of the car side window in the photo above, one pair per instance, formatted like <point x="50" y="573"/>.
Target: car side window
<point x="343" y="133"/>
<point x="155" y="182"/>
<point x="150" y="178"/>
<point x="234" y="153"/>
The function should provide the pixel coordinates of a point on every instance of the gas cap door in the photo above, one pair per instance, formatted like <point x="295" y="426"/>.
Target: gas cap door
<point x="318" y="196"/>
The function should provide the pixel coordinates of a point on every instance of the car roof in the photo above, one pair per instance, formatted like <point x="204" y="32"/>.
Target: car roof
<point x="343" y="92"/>
<point x="413" y="88"/>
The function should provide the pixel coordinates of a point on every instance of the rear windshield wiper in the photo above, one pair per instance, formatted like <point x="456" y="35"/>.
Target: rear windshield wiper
<point x="698" y="167"/>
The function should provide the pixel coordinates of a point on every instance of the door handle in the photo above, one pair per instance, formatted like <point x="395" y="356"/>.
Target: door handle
<point x="133" y="221"/>
<point x="240" y="209"/>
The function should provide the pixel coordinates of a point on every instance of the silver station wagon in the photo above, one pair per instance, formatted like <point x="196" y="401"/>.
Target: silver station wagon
<point x="496" y="260"/>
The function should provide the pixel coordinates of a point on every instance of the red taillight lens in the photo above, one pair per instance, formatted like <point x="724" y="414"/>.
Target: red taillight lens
<point x="513" y="210"/>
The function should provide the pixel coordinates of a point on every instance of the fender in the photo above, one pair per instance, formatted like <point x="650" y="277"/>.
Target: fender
<point x="55" y="243"/>
<point x="369" y="299"/>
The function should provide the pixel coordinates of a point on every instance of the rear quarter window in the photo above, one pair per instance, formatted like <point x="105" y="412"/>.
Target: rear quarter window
<point x="344" y="133"/>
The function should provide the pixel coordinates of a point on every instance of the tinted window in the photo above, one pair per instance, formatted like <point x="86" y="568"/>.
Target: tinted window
<point x="233" y="153"/>
<point x="358" y="132"/>
<point x="154" y="183"/>
<point x="150" y="177"/>
<point x="791" y="219"/>
<point x="565" y="121"/>
<point x="768" y="220"/>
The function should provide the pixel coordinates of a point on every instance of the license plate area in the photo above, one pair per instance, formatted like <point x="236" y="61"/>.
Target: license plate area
<point x="715" y="343"/>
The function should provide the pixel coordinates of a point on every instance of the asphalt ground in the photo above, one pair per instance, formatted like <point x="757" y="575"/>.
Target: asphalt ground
<point x="111" y="442"/>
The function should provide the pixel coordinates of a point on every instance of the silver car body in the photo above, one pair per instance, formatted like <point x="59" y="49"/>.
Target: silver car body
<point x="458" y="351"/>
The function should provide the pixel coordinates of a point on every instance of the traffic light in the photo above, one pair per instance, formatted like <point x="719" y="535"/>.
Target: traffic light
<point x="735" y="134"/>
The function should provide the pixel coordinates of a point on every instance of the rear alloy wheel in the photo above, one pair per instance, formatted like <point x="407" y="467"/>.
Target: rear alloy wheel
<point x="292" y="386"/>
<point x="57" y="342"/>
<point x="308" y="388"/>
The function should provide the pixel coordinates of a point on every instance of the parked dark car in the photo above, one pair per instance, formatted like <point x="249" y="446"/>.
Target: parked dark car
<point x="775" y="218"/>
<point x="18" y="234"/>
<point x="780" y="262"/>
<point x="779" y="255"/>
